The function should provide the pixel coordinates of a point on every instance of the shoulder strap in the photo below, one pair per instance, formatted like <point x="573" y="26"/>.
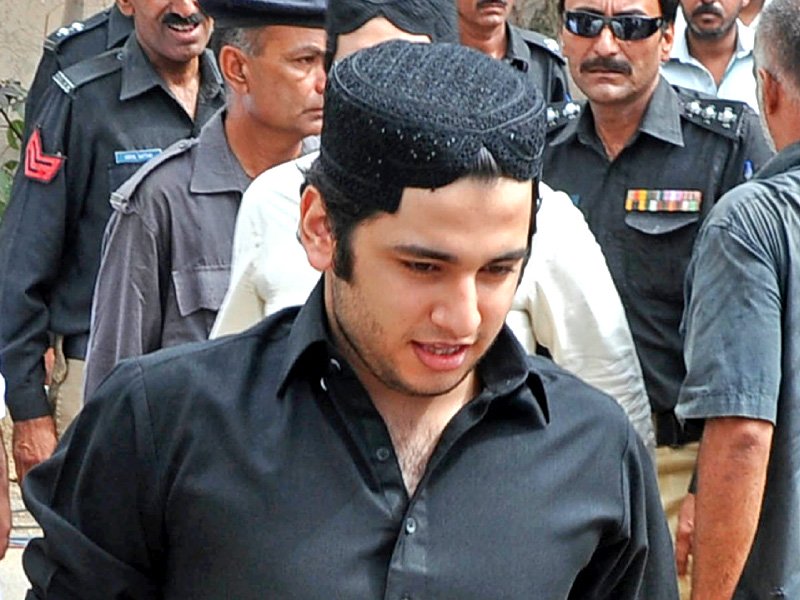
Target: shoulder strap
<point x="88" y="70"/>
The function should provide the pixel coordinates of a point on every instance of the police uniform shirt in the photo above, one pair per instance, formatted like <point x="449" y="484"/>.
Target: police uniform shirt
<point x="102" y="120"/>
<point x="645" y="207"/>
<point x="73" y="43"/>
<point x="167" y="251"/>
<point x="540" y="58"/>
<point x="255" y="466"/>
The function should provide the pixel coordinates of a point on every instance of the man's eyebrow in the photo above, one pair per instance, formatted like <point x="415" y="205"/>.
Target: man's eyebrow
<point x="431" y="254"/>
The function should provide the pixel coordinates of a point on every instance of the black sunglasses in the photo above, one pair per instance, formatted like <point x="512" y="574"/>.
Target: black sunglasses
<point x="624" y="27"/>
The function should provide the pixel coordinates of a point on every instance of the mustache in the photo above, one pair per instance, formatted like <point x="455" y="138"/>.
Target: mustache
<point x="175" y="19"/>
<point x="708" y="9"/>
<point x="602" y="63"/>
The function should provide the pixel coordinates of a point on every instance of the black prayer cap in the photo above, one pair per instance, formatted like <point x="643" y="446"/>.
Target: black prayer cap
<point x="401" y="115"/>
<point x="257" y="13"/>
<point x="435" y="18"/>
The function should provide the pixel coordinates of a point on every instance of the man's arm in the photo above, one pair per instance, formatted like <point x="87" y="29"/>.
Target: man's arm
<point x="31" y="246"/>
<point x="98" y="502"/>
<point x="732" y="472"/>
<point x="127" y="305"/>
<point x="576" y="312"/>
<point x="5" y="500"/>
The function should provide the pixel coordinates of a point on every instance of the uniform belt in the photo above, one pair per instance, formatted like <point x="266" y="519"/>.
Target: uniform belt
<point x="75" y="346"/>
<point x="670" y="433"/>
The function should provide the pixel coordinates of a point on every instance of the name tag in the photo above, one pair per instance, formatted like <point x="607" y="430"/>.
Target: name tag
<point x="664" y="201"/>
<point x="134" y="157"/>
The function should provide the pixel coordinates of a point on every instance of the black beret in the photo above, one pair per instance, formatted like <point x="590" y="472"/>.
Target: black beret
<point x="435" y="18"/>
<point x="418" y="115"/>
<point x="257" y="13"/>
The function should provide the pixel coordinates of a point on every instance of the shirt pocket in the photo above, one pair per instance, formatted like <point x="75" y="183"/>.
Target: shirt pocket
<point x="200" y="287"/>
<point x="657" y="252"/>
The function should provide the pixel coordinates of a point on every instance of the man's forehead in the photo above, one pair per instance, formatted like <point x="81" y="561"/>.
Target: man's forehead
<point x="615" y="7"/>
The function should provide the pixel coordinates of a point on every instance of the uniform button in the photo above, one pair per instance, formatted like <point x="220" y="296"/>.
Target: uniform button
<point x="383" y="454"/>
<point x="411" y="525"/>
<point x="335" y="364"/>
<point x="322" y="384"/>
<point x="405" y="597"/>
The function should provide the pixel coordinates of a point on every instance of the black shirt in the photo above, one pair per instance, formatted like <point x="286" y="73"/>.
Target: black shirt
<point x="73" y="43"/>
<point x="684" y="145"/>
<point x="540" y="58"/>
<point x="102" y="119"/>
<point x="255" y="466"/>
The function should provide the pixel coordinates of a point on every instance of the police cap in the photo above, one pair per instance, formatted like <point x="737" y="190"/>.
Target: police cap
<point x="257" y="13"/>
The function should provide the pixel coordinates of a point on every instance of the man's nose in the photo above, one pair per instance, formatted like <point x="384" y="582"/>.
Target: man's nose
<point x="456" y="312"/>
<point x="185" y="8"/>
<point x="606" y="43"/>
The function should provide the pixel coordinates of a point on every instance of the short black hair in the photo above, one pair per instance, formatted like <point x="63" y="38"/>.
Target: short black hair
<point x="346" y="213"/>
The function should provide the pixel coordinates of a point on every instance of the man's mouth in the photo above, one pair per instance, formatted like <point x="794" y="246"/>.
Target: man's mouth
<point x="183" y="24"/>
<point x="442" y="350"/>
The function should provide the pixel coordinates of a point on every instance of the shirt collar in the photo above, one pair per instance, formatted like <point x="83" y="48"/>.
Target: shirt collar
<point x="662" y="120"/>
<point x="505" y="370"/>
<point x="119" y="27"/>
<point x="139" y="75"/>
<point x="786" y="160"/>
<point x="216" y="169"/>
<point x="515" y="46"/>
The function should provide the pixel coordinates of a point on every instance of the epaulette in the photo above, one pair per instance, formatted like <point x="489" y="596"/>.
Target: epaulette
<point x="542" y="41"/>
<point x="62" y="34"/>
<point x="88" y="70"/>
<point x="720" y="116"/>
<point x="560" y="113"/>
<point x="121" y="197"/>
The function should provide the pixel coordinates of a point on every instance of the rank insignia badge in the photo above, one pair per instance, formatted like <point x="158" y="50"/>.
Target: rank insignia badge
<point x="663" y="201"/>
<point x="38" y="165"/>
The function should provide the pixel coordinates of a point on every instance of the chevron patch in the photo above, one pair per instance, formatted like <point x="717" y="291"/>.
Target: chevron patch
<point x="38" y="165"/>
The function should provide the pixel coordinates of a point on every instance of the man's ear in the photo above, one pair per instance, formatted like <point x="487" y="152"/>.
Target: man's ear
<point x="125" y="7"/>
<point x="667" y="39"/>
<point x="770" y="92"/>
<point x="233" y="65"/>
<point x="315" y="232"/>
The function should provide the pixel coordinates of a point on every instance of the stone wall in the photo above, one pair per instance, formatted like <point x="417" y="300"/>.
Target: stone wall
<point x="23" y="26"/>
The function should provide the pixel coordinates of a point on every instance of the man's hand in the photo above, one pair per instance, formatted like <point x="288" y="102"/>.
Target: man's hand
<point x="683" y="535"/>
<point x="5" y="500"/>
<point x="34" y="441"/>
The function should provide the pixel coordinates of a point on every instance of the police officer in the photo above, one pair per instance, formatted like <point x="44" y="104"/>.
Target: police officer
<point x="72" y="43"/>
<point x="160" y="283"/>
<point x="484" y="26"/>
<point x="98" y="121"/>
<point x="645" y="163"/>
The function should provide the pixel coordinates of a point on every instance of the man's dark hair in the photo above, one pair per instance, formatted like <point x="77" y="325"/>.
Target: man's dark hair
<point x="345" y="213"/>
<point x="435" y="18"/>
<point x="669" y="9"/>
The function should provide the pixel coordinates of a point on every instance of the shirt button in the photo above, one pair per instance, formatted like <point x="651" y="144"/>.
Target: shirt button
<point x="382" y="454"/>
<point x="411" y="525"/>
<point x="405" y="597"/>
<point x="322" y="384"/>
<point x="335" y="364"/>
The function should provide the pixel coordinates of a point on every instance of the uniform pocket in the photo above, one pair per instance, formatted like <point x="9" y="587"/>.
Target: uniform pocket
<point x="200" y="288"/>
<point x="657" y="252"/>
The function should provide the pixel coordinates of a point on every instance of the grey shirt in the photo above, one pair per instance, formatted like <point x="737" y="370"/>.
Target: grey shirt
<point x="743" y="349"/>
<point x="166" y="252"/>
